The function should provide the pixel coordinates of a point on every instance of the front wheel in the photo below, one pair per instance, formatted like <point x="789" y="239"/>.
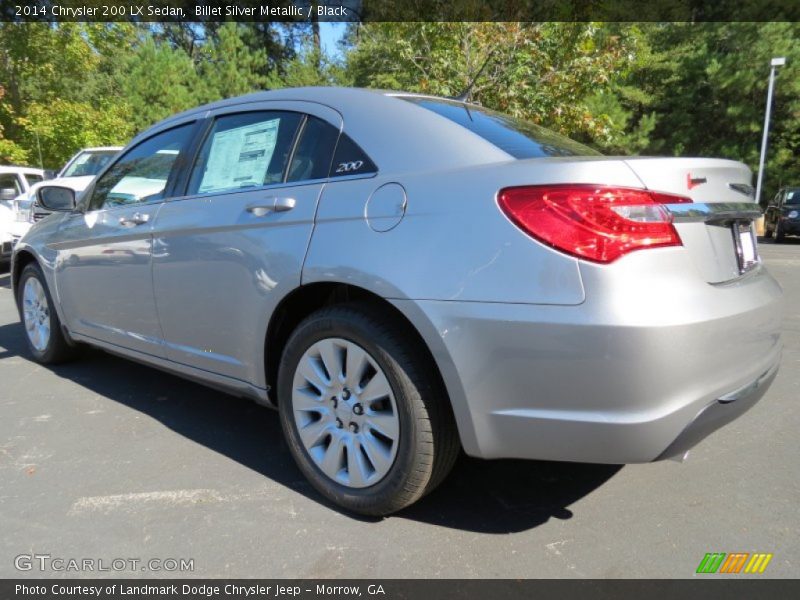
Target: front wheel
<point x="43" y="332"/>
<point x="364" y="414"/>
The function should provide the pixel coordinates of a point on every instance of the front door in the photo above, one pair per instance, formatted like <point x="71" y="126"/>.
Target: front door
<point x="104" y="264"/>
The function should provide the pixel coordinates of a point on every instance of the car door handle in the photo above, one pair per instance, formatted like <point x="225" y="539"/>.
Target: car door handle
<point x="284" y="204"/>
<point x="134" y="220"/>
<point x="260" y="209"/>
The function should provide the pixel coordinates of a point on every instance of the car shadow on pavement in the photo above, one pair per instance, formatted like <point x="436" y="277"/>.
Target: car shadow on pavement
<point x="501" y="496"/>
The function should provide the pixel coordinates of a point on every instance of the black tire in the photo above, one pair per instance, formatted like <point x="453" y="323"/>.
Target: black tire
<point x="780" y="236"/>
<point x="428" y="441"/>
<point x="57" y="349"/>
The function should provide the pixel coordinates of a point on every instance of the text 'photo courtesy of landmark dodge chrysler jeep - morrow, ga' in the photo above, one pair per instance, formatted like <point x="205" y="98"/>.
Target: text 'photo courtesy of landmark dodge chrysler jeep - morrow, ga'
<point x="405" y="276"/>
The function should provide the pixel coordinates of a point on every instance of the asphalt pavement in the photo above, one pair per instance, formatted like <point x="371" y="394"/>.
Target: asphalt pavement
<point x="103" y="459"/>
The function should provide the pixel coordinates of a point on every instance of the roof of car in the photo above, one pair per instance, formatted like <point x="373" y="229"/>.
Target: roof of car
<point x="26" y="170"/>
<point x="103" y="149"/>
<point x="396" y="135"/>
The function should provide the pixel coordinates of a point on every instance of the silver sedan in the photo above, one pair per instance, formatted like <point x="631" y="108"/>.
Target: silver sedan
<point x="406" y="276"/>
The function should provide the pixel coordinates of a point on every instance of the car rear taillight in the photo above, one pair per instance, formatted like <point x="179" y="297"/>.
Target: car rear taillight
<point x="597" y="223"/>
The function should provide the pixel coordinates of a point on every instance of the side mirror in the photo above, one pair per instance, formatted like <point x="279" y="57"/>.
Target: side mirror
<point x="8" y="194"/>
<point x="56" y="198"/>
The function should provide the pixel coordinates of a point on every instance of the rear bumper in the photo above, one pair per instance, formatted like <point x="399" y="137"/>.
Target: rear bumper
<point x="719" y="413"/>
<point x="640" y="371"/>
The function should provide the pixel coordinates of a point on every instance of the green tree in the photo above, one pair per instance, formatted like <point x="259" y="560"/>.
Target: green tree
<point x="309" y="67"/>
<point x="57" y="95"/>
<point x="706" y="85"/>
<point x="61" y="127"/>
<point x="160" y="81"/>
<point x="543" y="72"/>
<point x="228" y="66"/>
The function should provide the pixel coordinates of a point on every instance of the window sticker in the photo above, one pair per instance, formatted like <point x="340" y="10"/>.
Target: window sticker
<point x="240" y="157"/>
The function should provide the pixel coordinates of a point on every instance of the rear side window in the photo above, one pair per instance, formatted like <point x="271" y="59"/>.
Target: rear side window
<point x="244" y="150"/>
<point x="314" y="152"/>
<point x="518" y="138"/>
<point x="319" y="155"/>
<point x="33" y="178"/>
<point x="350" y="159"/>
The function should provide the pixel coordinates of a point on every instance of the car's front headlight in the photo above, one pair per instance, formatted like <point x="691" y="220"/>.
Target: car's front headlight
<point x="793" y="214"/>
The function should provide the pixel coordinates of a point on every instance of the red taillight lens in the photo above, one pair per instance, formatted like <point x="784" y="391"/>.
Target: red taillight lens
<point x="594" y="222"/>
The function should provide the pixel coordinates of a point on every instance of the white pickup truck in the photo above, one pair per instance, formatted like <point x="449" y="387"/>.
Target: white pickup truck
<point x="15" y="182"/>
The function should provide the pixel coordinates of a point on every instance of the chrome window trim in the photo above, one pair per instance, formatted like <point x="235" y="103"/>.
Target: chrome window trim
<point x="271" y="186"/>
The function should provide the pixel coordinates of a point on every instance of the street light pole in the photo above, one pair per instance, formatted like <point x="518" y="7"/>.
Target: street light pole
<point x="774" y="63"/>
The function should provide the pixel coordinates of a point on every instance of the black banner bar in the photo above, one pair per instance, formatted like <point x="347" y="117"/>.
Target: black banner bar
<point x="707" y="588"/>
<point x="396" y="10"/>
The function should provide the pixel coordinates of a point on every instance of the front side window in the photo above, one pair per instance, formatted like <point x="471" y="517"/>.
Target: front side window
<point x="90" y="162"/>
<point x="142" y="174"/>
<point x="244" y="150"/>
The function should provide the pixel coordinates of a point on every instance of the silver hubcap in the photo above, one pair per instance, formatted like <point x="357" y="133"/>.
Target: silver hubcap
<point x="345" y="413"/>
<point x="37" y="314"/>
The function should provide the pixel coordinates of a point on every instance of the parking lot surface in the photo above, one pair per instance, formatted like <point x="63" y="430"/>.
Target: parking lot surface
<point x="106" y="459"/>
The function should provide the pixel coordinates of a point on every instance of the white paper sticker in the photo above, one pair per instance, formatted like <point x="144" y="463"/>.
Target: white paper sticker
<point x="240" y="157"/>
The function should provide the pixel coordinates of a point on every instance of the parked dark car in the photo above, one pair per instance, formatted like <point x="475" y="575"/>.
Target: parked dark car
<point x="782" y="216"/>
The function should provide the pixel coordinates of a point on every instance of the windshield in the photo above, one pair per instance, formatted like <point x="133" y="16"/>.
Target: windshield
<point x="88" y="163"/>
<point x="793" y="196"/>
<point x="518" y="138"/>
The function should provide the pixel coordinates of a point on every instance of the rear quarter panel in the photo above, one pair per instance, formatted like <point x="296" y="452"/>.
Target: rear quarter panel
<point x="453" y="242"/>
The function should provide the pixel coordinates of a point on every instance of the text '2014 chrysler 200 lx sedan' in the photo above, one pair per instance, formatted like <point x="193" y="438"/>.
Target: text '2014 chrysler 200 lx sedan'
<point x="403" y="276"/>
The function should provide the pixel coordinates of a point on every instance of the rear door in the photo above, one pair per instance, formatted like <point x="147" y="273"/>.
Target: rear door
<point x="233" y="244"/>
<point x="103" y="269"/>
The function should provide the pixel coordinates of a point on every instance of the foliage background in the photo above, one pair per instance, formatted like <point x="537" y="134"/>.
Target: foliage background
<point x="636" y="88"/>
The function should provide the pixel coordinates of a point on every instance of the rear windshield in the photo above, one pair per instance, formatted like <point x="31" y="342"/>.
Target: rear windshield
<point x="518" y="138"/>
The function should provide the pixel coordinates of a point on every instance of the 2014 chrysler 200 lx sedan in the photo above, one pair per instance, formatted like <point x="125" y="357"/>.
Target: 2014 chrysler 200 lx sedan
<point x="403" y="276"/>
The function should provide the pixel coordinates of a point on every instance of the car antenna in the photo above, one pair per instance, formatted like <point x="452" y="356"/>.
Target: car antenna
<point x="464" y="96"/>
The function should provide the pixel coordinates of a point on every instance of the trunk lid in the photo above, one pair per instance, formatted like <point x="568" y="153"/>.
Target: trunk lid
<point x="718" y="227"/>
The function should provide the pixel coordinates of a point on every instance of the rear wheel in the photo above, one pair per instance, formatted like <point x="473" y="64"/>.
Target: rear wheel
<point x="43" y="332"/>
<point x="364" y="414"/>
